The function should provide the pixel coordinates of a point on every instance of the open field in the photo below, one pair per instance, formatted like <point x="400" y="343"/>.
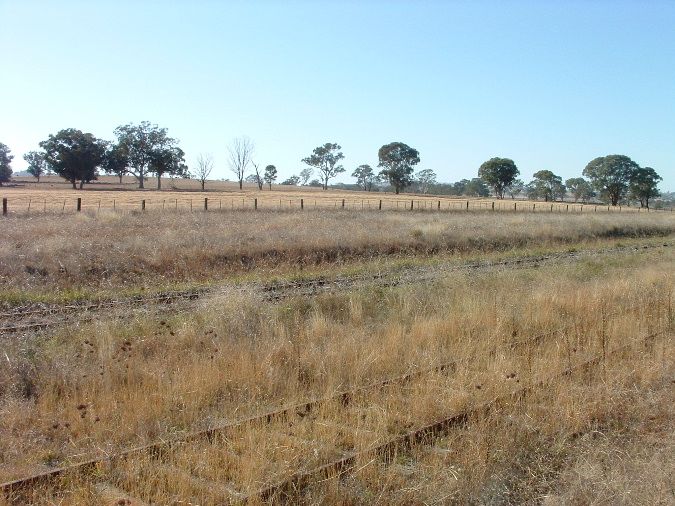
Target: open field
<point x="179" y="195"/>
<point x="112" y="252"/>
<point x="348" y="358"/>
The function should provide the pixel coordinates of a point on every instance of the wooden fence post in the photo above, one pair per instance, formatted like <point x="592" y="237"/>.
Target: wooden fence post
<point x="79" y="204"/>
<point x="380" y="207"/>
<point x="568" y="208"/>
<point x="515" y="206"/>
<point x="206" y="204"/>
<point x="412" y="204"/>
<point x="4" y="206"/>
<point x="439" y="205"/>
<point x="302" y="204"/>
<point x="255" y="204"/>
<point x="143" y="205"/>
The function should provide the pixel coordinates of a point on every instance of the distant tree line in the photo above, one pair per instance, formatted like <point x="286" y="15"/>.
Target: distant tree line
<point x="146" y="149"/>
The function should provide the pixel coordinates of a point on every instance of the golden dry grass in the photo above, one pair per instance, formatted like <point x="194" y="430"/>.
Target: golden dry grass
<point x="236" y="355"/>
<point x="53" y="195"/>
<point x="110" y="250"/>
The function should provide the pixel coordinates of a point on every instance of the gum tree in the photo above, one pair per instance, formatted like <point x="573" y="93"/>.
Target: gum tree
<point x="498" y="174"/>
<point x="36" y="163"/>
<point x="610" y="176"/>
<point x="398" y="161"/>
<point x="74" y="155"/>
<point x="325" y="159"/>
<point x="141" y="144"/>
<point x="644" y="185"/>
<point x="5" y="164"/>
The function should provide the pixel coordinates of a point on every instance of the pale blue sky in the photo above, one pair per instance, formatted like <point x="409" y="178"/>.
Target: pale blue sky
<point x="550" y="84"/>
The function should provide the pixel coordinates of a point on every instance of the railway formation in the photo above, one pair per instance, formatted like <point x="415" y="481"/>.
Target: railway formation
<point x="35" y="318"/>
<point x="342" y="415"/>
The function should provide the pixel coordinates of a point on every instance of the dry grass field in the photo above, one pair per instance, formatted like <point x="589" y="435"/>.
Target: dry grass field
<point x="54" y="195"/>
<point x="535" y="348"/>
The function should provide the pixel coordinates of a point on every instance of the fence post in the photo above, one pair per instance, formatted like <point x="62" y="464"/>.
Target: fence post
<point x="4" y="206"/>
<point x="533" y="206"/>
<point x="568" y="208"/>
<point x="439" y="205"/>
<point x="206" y="204"/>
<point x="302" y="204"/>
<point x="79" y="204"/>
<point x="412" y="204"/>
<point x="255" y="204"/>
<point x="515" y="206"/>
<point x="343" y="203"/>
<point x="142" y="205"/>
<point x="380" y="208"/>
<point x="551" y="207"/>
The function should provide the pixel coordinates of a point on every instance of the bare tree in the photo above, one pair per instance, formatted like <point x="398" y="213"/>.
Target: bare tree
<point x="240" y="152"/>
<point x="203" y="168"/>
<point x="258" y="176"/>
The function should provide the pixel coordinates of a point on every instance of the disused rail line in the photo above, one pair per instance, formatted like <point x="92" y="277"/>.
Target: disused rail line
<point x="276" y="292"/>
<point x="301" y="409"/>
<point x="289" y="488"/>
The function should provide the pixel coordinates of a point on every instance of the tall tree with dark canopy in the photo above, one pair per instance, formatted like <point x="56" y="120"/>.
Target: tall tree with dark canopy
<point x="398" y="161"/>
<point x="140" y="143"/>
<point x="325" y="159"/>
<point x="36" y="163"/>
<point x="5" y="164"/>
<point x="74" y="155"/>
<point x="546" y="185"/>
<point x="610" y="176"/>
<point x="116" y="160"/>
<point x="270" y="175"/>
<point x="580" y="189"/>
<point x="365" y="176"/>
<point x="498" y="174"/>
<point x="167" y="159"/>
<point x="644" y="185"/>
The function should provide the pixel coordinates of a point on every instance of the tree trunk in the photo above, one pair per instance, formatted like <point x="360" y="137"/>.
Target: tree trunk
<point x="74" y="184"/>
<point x="120" y="178"/>
<point x="141" y="179"/>
<point x="202" y="185"/>
<point x="270" y="186"/>
<point x="241" y="184"/>
<point x="159" y="181"/>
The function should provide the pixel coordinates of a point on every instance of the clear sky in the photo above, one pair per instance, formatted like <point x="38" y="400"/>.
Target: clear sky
<point x="550" y="84"/>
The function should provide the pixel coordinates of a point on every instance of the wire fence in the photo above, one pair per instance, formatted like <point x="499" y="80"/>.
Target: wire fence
<point x="23" y="205"/>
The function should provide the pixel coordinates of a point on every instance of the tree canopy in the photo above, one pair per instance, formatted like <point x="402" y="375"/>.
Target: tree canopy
<point x="141" y="145"/>
<point x="580" y="189"/>
<point x="167" y="159"/>
<point x="365" y="176"/>
<point x="5" y="164"/>
<point x="610" y="176"/>
<point x="546" y="185"/>
<point x="270" y="175"/>
<point x="644" y="185"/>
<point x="499" y="174"/>
<point x="425" y="180"/>
<point x="36" y="163"/>
<point x="325" y="159"/>
<point x="398" y="161"/>
<point x="74" y="155"/>
<point x="116" y="160"/>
